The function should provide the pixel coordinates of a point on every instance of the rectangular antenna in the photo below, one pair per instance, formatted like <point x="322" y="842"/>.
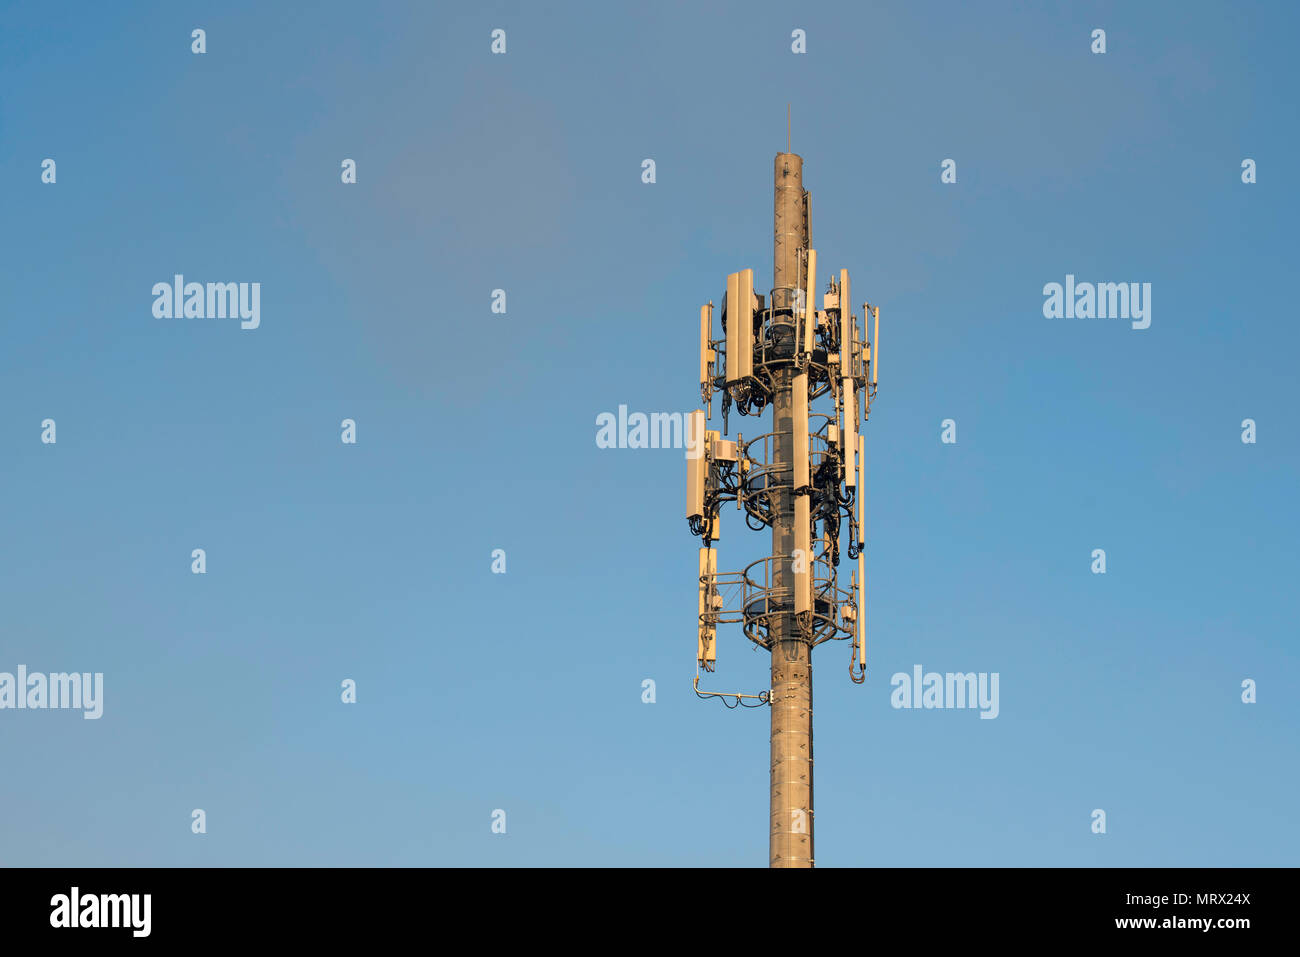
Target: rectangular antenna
<point x="803" y="557"/>
<point x="706" y="352"/>
<point x="712" y="442"/>
<point x="696" y="468"/>
<point x="847" y="394"/>
<point x="850" y="443"/>
<point x="799" y="416"/>
<point x="746" y="306"/>
<point x="810" y="302"/>
<point x="859" y="347"/>
<point x="730" y="312"/>
<point x="862" y="611"/>
<point x="875" y="346"/>
<point x="867" y="364"/>
<point x="846" y="337"/>
<point x="742" y="466"/>
<point x="706" y="650"/>
<point x="862" y="493"/>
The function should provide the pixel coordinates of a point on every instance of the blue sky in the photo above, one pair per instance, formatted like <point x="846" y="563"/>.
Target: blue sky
<point x="476" y="431"/>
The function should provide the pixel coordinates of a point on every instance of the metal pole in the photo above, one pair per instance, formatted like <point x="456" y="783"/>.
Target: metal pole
<point x="791" y="843"/>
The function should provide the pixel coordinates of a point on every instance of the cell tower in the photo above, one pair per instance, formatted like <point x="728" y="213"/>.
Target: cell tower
<point x="802" y="479"/>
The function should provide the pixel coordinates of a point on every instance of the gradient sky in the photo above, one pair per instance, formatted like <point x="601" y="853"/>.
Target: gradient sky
<point x="476" y="431"/>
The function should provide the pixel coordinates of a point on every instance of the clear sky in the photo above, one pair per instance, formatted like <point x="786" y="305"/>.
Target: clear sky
<point x="476" y="431"/>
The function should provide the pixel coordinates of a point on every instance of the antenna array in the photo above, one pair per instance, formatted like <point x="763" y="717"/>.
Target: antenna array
<point x="804" y="480"/>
